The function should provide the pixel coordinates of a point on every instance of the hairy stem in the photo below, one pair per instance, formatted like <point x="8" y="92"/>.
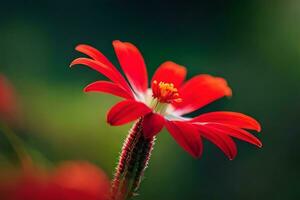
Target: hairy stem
<point x="133" y="161"/>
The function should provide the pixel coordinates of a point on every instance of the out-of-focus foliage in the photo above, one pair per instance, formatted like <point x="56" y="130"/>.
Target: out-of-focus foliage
<point x="253" y="44"/>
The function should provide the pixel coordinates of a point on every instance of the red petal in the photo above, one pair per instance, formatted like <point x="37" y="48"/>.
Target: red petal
<point x="110" y="72"/>
<point x="152" y="124"/>
<point x="79" y="180"/>
<point x="170" y="72"/>
<point x="187" y="136"/>
<point x="97" y="55"/>
<point x="236" y="132"/>
<point x="94" y="53"/>
<point x="224" y="142"/>
<point x="108" y="87"/>
<point x="133" y="65"/>
<point x="100" y="67"/>
<point x="200" y="91"/>
<point x="230" y="118"/>
<point x="126" y="111"/>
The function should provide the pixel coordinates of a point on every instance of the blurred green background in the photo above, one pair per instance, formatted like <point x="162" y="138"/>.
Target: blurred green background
<point x="255" y="45"/>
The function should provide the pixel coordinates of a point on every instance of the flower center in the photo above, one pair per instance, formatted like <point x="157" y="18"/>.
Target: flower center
<point x="165" y="92"/>
<point x="162" y="95"/>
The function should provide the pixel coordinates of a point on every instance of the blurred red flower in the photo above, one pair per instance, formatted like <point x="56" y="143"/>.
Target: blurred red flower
<point x="8" y="101"/>
<point x="168" y="100"/>
<point x="71" y="180"/>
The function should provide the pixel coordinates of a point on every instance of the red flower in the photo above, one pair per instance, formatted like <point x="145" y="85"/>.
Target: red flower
<point x="72" y="180"/>
<point x="8" y="102"/>
<point x="168" y="100"/>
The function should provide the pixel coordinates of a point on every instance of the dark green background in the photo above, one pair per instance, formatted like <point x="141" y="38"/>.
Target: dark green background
<point x="255" y="45"/>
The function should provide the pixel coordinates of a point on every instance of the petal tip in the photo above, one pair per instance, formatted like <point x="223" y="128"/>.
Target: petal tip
<point x="74" y="62"/>
<point x="116" y="42"/>
<point x="258" y="128"/>
<point x="86" y="89"/>
<point x="231" y="157"/>
<point x="228" y="92"/>
<point x="78" y="46"/>
<point x="256" y="125"/>
<point x="109" y="121"/>
<point x="71" y="64"/>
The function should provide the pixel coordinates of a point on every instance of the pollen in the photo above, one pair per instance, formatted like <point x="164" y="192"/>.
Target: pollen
<point x="165" y="92"/>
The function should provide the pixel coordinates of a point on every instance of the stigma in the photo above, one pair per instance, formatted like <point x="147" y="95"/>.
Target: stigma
<point x="165" y="92"/>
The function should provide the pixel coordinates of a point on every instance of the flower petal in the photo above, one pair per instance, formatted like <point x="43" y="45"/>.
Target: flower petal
<point x="170" y="72"/>
<point x="187" y="136"/>
<point x="133" y="65"/>
<point x="152" y="124"/>
<point x="109" y="71"/>
<point x="97" y="55"/>
<point x="108" y="87"/>
<point x="236" y="132"/>
<point x="224" y="142"/>
<point x="200" y="91"/>
<point x="100" y="67"/>
<point x="126" y="111"/>
<point x="94" y="53"/>
<point x="78" y="180"/>
<point x="230" y="118"/>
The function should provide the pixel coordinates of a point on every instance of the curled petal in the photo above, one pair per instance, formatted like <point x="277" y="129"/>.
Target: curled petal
<point x="187" y="136"/>
<point x="133" y="65"/>
<point x="98" y="66"/>
<point x="108" y="87"/>
<point x="110" y="72"/>
<point x="94" y="53"/>
<point x="235" y="132"/>
<point x="230" y="118"/>
<point x="224" y="142"/>
<point x="152" y="124"/>
<point x="200" y="91"/>
<point x="170" y="72"/>
<point x="126" y="111"/>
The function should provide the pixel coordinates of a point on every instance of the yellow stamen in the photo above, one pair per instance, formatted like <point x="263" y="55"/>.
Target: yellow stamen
<point x="165" y="92"/>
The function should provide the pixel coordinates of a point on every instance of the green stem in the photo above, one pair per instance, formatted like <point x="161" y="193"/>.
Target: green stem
<point x="17" y="145"/>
